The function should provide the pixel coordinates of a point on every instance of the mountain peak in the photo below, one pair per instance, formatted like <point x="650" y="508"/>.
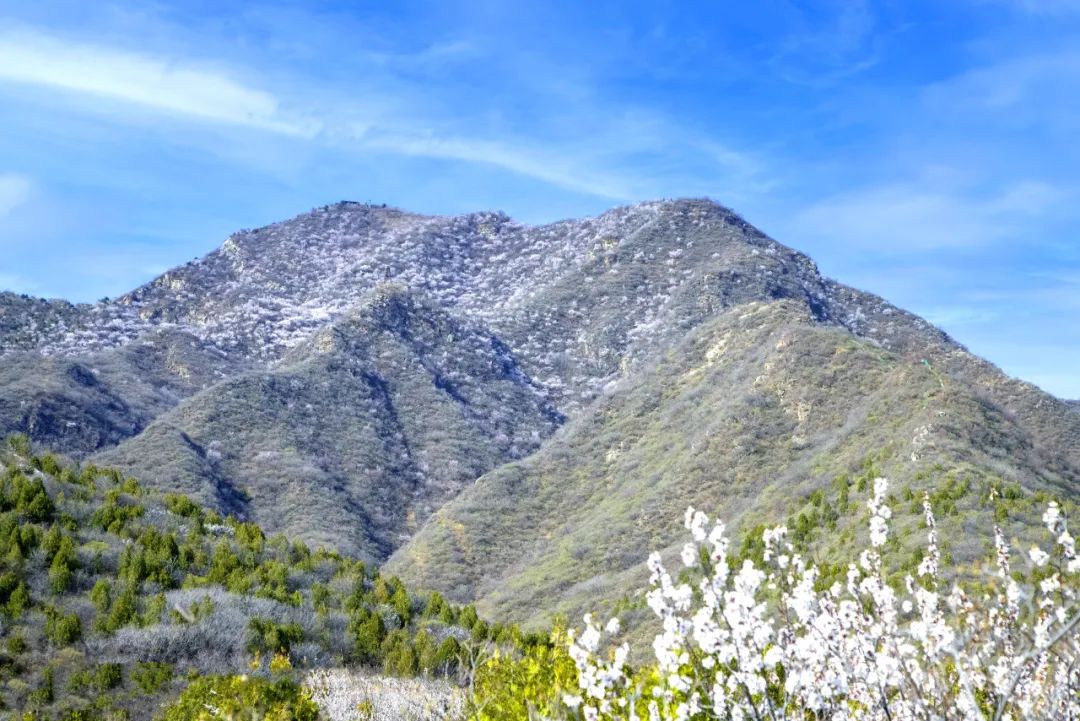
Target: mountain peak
<point x="266" y="290"/>
<point x="348" y="373"/>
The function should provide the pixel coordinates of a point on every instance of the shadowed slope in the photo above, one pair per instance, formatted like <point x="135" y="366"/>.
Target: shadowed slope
<point x="345" y="414"/>
<point x="80" y="404"/>
<point x="355" y="436"/>
<point x="747" y="417"/>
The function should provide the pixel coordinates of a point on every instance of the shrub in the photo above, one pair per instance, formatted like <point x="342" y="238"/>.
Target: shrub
<point x="50" y="542"/>
<point x="61" y="628"/>
<point x="223" y="563"/>
<point x="123" y="610"/>
<point x="152" y="676"/>
<point x="108" y="676"/>
<point x="14" y="596"/>
<point x="402" y="604"/>
<point x="321" y="598"/>
<point x="80" y="681"/>
<point x="467" y="618"/>
<point x="368" y="632"/>
<point x="62" y="568"/>
<point x="16" y="643"/>
<point x="113" y="516"/>
<point x="101" y="596"/>
<point x="345" y="696"/>
<point x="447" y="656"/>
<point x="241" y="697"/>
<point x="511" y="686"/>
<point x="181" y="505"/>
<point x="280" y="663"/>
<point x="19" y="444"/>
<point x="250" y="537"/>
<point x="18" y="538"/>
<point x="426" y="649"/>
<point x="745" y="641"/>
<point x="266" y="636"/>
<point x="28" y="498"/>
<point x="45" y="693"/>
<point x="435" y="605"/>
<point x="47" y="463"/>
<point x="399" y="656"/>
<point x="153" y="610"/>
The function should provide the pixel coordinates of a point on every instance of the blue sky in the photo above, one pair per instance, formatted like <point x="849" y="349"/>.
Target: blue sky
<point x="926" y="151"/>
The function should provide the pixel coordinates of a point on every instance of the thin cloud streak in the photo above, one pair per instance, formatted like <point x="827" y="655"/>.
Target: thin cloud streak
<point x="162" y="84"/>
<point x="186" y="89"/>
<point x="1041" y="86"/>
<point x="954" y="316"/>
<point x="822" y="55"/>
<point x="880" y="139"/>
<point x="549" y="168"/>
<point x="14" y="191"/>
<point x="1043" y="7"/>
<point x="908" y="218"/>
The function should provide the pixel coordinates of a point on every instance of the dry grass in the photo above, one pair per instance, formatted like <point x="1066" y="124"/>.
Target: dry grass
<point x="347" y="696"/>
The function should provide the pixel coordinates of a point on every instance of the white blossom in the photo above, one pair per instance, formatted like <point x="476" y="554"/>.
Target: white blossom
<point x="764" y="643"/>
<point x="1038" y="556"/>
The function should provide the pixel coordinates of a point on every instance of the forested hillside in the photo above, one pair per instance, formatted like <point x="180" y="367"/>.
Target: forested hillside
<point x="114" y="599"/>
<point x="511" y="414"/>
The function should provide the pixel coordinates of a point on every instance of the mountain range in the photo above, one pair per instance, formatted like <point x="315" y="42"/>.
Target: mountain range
<point x="515" y="415"/>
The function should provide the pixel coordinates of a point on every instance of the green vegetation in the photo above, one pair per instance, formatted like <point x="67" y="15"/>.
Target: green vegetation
<point x="242" y="697"/>
<point x="524" y="685"/>
<point x="419" y="402"/>
<point x="759" y="416"/>
<point x="97" y="573"/>
<point x="692" y="359"/>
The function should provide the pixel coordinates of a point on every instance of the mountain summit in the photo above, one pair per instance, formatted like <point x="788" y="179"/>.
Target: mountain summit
<point x="510" y="412"/>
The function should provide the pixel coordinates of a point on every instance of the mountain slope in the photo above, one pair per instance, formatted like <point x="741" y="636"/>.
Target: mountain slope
<point x="80" y="403"/>
<point x="281" y="378"/>
<point x="114" y="598"/>
<point x="355" y="436"/>
<point x="753" y="416"/>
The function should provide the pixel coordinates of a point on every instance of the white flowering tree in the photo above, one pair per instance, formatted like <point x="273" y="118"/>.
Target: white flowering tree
<point x="765" y="643"/>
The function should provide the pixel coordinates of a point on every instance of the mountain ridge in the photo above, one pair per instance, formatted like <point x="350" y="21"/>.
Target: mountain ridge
<point x="358" y="375"/>
<point x="389" y="353"/>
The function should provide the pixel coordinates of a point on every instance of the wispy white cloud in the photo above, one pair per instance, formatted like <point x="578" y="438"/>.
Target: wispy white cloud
<point x="1040" y="7"/>
<point x="396" y="117"/>
<point x="436" y="58"/>
<point x="1037" y="88"/>
<point x="914" y="218"/>
<point x="168" y="85"/>
<point x="819" y="53"/>
<point x="553" y="168"/>
<point x="1059" y="278"/>
<point x="602" y="166"/>
<point x="14" y="191"/>
<point x="954" y="316"/>
<point x="742" y="174"/>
